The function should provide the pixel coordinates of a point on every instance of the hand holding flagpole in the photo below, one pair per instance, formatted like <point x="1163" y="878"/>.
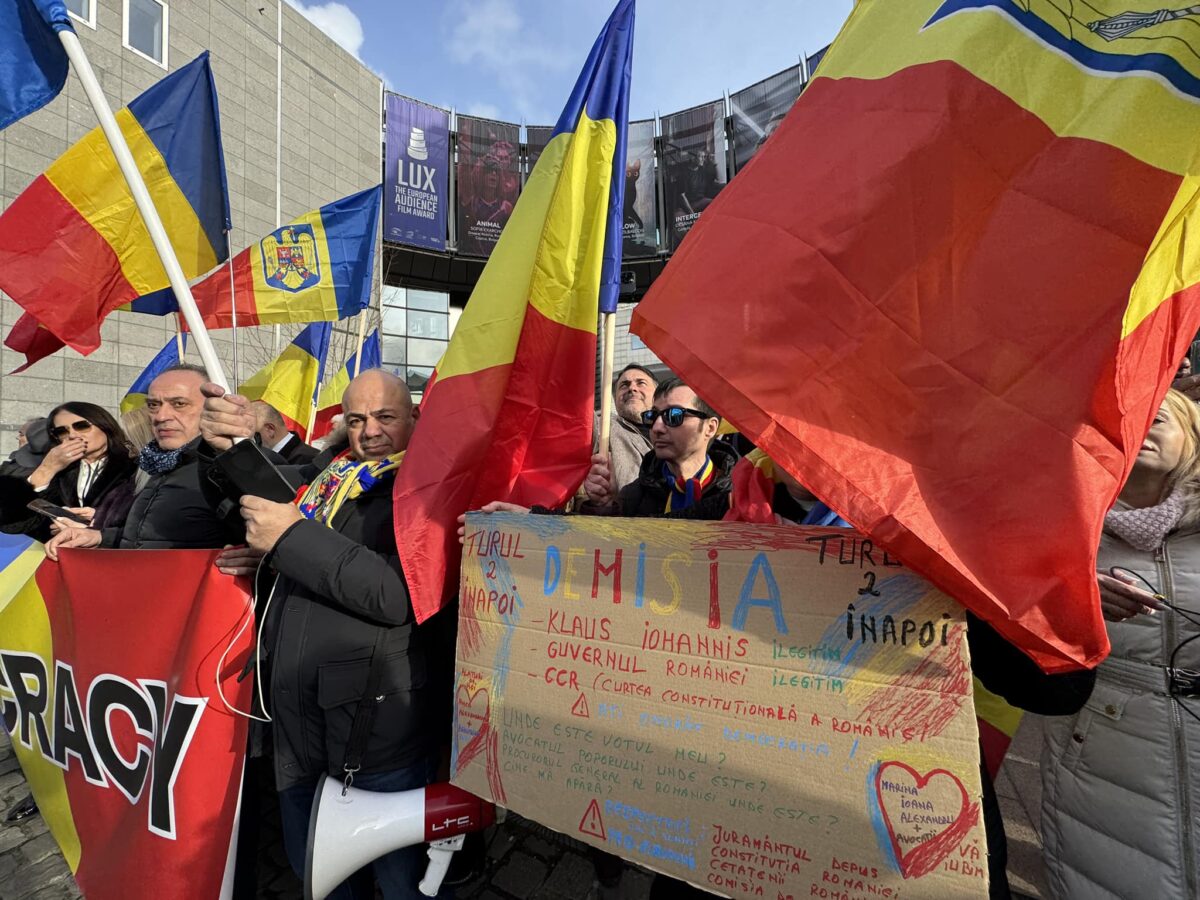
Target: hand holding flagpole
<point x="141" y="196"/>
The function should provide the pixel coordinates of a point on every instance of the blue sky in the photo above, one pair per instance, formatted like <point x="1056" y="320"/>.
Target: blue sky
<point x="516" y="60"/>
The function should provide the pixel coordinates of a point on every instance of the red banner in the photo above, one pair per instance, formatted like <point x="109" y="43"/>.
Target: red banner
<point x="109" y="663"/>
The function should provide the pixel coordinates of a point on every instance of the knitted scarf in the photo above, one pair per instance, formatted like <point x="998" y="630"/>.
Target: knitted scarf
<point x="153" y="460"/>
<point x="683" y="493"/>
<point x="1146" y="529"/>
<point x="343" y="480"/>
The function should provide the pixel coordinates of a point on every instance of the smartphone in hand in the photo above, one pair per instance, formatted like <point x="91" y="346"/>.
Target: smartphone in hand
<point x="50" y="511"/>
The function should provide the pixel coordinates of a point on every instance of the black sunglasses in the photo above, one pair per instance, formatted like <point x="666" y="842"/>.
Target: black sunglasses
<point x="672" y="415"/>
<point x="62" y="431"/>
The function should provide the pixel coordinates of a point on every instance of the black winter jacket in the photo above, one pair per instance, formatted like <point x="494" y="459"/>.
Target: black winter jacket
<point x="648" y="495"/>
<point x="338" y="588"/>
<point x="172" y="513"/>
<point x="115" y="480"/>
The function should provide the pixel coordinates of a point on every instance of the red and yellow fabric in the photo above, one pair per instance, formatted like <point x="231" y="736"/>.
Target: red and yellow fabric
<point x="978" y="280"/>
<point x="110" y="695"/>
<point x="507" y="414"/>
<point x="73" y="246"/>
<point x="289" y="383"/>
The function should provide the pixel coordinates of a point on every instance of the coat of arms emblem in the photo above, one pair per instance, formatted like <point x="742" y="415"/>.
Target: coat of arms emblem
<point x="289" y="257"/>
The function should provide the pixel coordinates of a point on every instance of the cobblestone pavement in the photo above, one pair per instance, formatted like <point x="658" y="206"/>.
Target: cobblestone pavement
<point x="521" y="859"/>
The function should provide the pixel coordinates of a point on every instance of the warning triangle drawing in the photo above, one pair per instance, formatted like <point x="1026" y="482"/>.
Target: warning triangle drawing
<point x="591" y="823"/>
<point x="580" y="708"/>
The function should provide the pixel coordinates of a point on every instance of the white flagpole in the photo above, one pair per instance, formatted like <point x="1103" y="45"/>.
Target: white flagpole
<point x="237" y="360"/>
<point x="137" y="187"/>
<point x="362" y="336"/>
<point x="606" y="377"/>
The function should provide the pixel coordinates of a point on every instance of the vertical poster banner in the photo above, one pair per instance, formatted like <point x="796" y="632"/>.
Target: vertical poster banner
<point x="693" y="165"/>
<point x="815" y="60"/>
<point x="417" y="179"/>
<point x="640" y="226"/>
<point x="756" y="112"/>
<point x="760" y="710"/>
<point x="489" y="180"/>
<point x="536" y="139"/>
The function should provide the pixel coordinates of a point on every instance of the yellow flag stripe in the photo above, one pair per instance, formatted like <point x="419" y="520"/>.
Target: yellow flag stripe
<point x="88" y="177"/>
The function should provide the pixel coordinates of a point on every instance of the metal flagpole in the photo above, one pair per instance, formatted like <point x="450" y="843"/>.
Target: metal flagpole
<point x="179" y="348"/>
<point x="141" y="196"/>
<point x="362" y="336"/>
<point x="275" y="331"/>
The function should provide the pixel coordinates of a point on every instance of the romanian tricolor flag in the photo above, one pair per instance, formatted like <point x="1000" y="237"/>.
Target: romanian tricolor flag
<point x="951" y="291"/>
<point x="165" y="358"/>
<point x="30" y="337"/>
<point x="331" y="394"/>
<point x="112" y="702"/>
<point x="73" y="246"/>
<point x="316" y="268"/>
<point x="508" y="413"/>
<point x="290" y="382"/>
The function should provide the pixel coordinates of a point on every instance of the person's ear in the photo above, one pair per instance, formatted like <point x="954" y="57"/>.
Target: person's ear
<point x="710" y="428"/>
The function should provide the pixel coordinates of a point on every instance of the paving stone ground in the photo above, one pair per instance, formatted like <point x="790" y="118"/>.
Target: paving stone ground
<point x="521" y="859"/>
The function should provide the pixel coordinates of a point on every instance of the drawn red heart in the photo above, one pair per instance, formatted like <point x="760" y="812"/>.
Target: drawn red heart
<point x="471" y="723"/>
<point x="937" y="795"/>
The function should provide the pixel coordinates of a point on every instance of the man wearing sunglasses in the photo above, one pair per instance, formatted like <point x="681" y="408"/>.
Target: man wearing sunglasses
<point x="685" y="473"/>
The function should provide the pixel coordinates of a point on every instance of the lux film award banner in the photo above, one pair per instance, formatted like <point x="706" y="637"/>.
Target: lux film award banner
<point x="763" y="711"/>
<point x="417" y="178"/>
<point x="108" y="669"/>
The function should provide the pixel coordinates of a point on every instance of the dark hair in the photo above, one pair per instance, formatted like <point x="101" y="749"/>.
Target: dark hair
<point x="118" y="444"/>
<point x="640" y="368"/>
<point x="186" y="367"/>
<point x="672" y="384"/>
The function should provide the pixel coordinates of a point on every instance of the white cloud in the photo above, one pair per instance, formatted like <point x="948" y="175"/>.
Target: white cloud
<point x="490" y="37"/>
<point x="336" y="20"/>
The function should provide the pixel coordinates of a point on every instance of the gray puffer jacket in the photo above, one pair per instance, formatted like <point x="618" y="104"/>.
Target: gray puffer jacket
<point x="1120" y="802"/>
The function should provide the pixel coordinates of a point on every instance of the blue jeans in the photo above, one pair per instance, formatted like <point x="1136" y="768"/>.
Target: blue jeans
<point x="398" y="872"/>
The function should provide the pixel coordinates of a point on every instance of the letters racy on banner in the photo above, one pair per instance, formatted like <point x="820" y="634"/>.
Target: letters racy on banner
<point x="417" y="178"/>
<point x="758" y="710"/>
<point x="108" y="673"/>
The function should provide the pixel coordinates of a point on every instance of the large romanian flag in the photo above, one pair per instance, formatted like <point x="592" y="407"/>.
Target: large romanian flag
<point x="316" y="268"/>
<point x="951" y="290"/>
<point x="330" y="399"/>
<point x="508" y="414"/>
<point x="73" y="245"/>
<point x="289" y="383"/>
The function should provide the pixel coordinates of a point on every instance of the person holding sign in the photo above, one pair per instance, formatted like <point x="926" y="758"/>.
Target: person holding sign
<point x="359" y="691"/>
<point x="1138" y="737"/>
<point x="685" y="474"/>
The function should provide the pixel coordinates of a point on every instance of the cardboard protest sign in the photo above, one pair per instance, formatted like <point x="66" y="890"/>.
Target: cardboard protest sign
<point x="762" y="711"/>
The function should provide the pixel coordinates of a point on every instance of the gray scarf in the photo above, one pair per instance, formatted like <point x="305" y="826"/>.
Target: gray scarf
<point x="1146" y="529"/>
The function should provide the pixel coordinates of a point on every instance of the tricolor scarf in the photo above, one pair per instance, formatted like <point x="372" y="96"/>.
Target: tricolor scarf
<point x="344" y="479"/>
<point x="1146" y="529"/>
<point x="683" y="493"/>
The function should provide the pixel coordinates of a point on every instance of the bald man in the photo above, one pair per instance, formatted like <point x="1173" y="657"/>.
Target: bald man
<point x="340" y="631"/>
<point x="274" y="434"/>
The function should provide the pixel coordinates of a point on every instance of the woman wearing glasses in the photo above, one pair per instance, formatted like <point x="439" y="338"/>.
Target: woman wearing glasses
<point x="1120" y="803"/>
<point x="90" y="467"/>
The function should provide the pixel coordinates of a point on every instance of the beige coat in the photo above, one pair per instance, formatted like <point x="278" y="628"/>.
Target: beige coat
<point x="1120" y="803"/>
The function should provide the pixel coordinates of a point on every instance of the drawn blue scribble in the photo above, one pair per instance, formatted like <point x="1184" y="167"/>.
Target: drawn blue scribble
<point x="897" y="595"/>
<point x="875" y="811"/>
<point x="545" y="527"/>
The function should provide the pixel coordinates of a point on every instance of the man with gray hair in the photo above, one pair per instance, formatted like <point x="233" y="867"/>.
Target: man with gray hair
<point x="359" y="691"/>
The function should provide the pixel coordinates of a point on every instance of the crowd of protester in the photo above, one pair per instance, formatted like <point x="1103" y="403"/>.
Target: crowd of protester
<point x="1119" y="802"/>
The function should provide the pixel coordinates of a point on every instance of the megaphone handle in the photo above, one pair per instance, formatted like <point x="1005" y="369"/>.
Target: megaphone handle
<point x="440" y="854"/>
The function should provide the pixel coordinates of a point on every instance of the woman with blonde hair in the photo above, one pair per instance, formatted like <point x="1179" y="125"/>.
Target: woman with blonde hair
<point x="1120" y="801"/>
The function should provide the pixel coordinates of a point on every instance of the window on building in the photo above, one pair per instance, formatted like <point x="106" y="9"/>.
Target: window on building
<point x="416" y="332"/>
<point x="423" y="324"/>
<point x="428" y="300"/>
<point x="83" y="10"/>
<point x="145" y="29"/>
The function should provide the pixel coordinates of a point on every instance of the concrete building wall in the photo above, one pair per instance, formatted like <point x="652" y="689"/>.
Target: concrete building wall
<point x="330" y="147"/>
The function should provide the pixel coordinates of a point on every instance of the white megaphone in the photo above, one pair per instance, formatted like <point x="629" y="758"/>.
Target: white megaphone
<point x="350" y="827"/>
